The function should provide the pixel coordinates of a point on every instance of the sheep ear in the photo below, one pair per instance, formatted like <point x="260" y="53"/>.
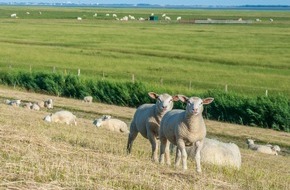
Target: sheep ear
<point x="175" y="98"/>
<point x="153" y="95"/>
<point x="182" y="98"/>
<point x="207" y="101"/>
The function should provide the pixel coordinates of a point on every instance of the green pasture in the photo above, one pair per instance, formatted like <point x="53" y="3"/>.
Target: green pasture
<point x="180" y="56"/>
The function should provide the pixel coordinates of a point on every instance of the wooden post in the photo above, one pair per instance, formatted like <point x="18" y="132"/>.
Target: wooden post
<point x="226" y="88"/>
<point x="103" y="76"/>
<point x="161" y="81"/>
<point x="53" y="69"/>
<point x="65" y="71"/>
<point x="133" y="78"/>
<point x="79" y="72"/>
<point x="189" y="85"/>
<point x="266" y="93"/>
<point x="30" y="68"/>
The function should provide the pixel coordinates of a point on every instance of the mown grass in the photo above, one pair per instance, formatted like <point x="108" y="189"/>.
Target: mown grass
<point x="248" y="58"/>
<point x="37" y="155"/>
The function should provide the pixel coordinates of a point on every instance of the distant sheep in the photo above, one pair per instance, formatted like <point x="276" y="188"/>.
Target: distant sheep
<point x="147" y="120"/>
<point x="15" y="103"/>
<point x="167" y="18"/>
<point x="61" y="117"/>
<point x="183" y="128"/>
<point x="114" y="15"/>
<point x="111" y="124"/>
<point x="14" y="15"/>
<point x="107" y="14"/>
<point x="266" y="149"/>
<point x="218" y="153"/>
<point x="35" y="107"/>
<point x="178" y="18"/>
<point x="27" y="105"/>
<point x="48" y="104"/>
<point x="88" y="99"/>
<point x="79" y="18"/>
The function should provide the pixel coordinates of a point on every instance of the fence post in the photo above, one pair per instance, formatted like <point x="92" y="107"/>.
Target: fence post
<point x="161" y="81"/>
<point x="30" y="68"/>
<point x="133" y="78"/>
<point x="226" y="88"/>
<point x="266" y="93"/>
<point x="53" y="69"/>
<point x="189" y="85"/>
<point x="79" y="72"/>
<point x="103" y="75"/>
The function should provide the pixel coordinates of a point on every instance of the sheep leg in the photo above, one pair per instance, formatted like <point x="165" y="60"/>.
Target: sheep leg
<point x="164" y="151"/>
<point x="181" y="147"/>
<point x="131" y="137"/>
<point x="197" y="155"/>
<point x="177" y="157"/>
<point x="154" y="146"/>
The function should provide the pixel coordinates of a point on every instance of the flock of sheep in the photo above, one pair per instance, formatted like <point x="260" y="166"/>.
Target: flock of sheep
<point x="182" y="130"/>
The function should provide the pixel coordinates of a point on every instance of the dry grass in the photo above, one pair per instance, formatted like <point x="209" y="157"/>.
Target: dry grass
<point x="37" y="155"/>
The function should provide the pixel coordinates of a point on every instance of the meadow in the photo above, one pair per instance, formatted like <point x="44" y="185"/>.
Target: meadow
<point x="180" y="56"/>
<point x="39" y="155"/>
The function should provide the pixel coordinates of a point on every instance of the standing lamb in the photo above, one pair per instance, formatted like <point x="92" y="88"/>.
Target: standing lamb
<point x="112" y="124"/>
<point x="266" y="149"/>
<point x="218" y="153"/>
<point x="88" y="99"/>
<point x="147" y="120"/>
<point x="61" y="117"/>
<point x="184" y="128"/>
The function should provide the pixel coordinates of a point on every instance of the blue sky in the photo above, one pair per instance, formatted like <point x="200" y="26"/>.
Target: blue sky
<point x="169" y="2"/>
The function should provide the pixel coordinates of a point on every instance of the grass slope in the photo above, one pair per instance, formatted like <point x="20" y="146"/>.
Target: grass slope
<point x="37" y="155"/>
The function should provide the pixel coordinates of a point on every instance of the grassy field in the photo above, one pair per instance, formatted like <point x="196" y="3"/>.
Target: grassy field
<point x="37" y="155"/>
<point x="249" y="58"/>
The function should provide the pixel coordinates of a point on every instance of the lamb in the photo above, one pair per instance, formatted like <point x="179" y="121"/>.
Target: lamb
<point x="266" y="149"/>
<point x="14" y="103"/>
<point x="35" y="107"/>
<point x="178" y="18"/>
<point x="112" y="124"/>
<point x="14" y="15"/>
<point x="218" y="153"/>
<point x="147" y="120"/>
<point x="167" y="18"/>
<point x="27" y="105"/>
<point x="88" y="99"/>
<point x="61" y="117"/>
<point x="184" y="128"/>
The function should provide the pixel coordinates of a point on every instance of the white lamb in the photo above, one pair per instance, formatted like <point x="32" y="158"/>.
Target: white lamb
<point x="111" y="124"/>
<point x="48" y="104"/>
<point x="61" y="117"/>
<point x="167" y="18"/>
<point x="14" y="103"/>
<point x="178" y="18"/>
<point x="88" y="99"/>
<point x="266" y="149"/>
<point x="35" y="107"/>
<point x="184" y="128"/>
<point x="147" y="120"/>
<point x="218" y="153"/>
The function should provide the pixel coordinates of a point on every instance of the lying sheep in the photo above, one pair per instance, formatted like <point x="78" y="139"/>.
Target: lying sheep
<point x="27" y="105"/>
<point x="266" y="149"/>
<point x="40" y="104"/>
<point x="61" y="117"/>
<point x="88" y="99"/>
<point x="218" y="153"/>
<point x="15" y="103"/>
<point x="35" y="107"/>
<point x="147" y="120"/>
<point x="112" y="124"/>
<point x="184" y="128"/>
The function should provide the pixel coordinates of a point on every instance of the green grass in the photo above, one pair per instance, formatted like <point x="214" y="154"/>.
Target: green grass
<point x="248" y="58"/>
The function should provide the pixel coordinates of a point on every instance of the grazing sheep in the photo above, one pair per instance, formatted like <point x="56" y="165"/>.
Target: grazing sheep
<point x="61" y="117"/>
<point x="79" y="18"/>
<point x="218" y="153"/>
<point x="114" y="15"/>
<point x="13" y="15"/>
<point x="184" y="128"/>
<point x="88" y="99"/>
<point x="107" y="14"/>
<point x="164" y="15"/>
<point x="147" y="120"/>
<point x="167" y="18"/>
<point x="178" y="18"/>
<point x="266" y="149"/>
<point x="27" y="105"/>
<point x="48" y="104"/>
<point x="112" y="124"/>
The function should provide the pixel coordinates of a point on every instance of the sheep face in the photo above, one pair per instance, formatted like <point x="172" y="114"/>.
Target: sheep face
<point x="164" y="102"/>
<point x="194" y="104"/>
<point x="47" y="118"/>
<point x="250" y="141"/>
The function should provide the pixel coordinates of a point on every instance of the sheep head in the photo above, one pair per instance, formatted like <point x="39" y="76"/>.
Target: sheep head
<point x="164" y="102"/>
<point x="194" y="104"/>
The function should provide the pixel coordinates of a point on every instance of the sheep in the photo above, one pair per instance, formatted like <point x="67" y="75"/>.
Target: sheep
<point x="61" y="117"/>
<point x="48" y="104"/>
<point x="79" y="18"/>
<point x="27" y="105"/>
<point x="107" y="14"/>
<point x="35" y="107"/>
<point x="40" y="104"/>
<point x="164" y="15"/>
<point x="178" y="18"/>
<point x="114" y="15"/>
<point x="266" y="149"/>
<point x="112" y="124"/>
<point x="218" y="153"/>
<point x="183" y="128"/>
<point x="141" y="19"/>
<point x="88" y="99"/>
<point x="167" y="18"/>
<point x="147" y="120"/>
<point x="15" y="103"/>
<point x="95" y="15"/>
<point x="14" y="15"/>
